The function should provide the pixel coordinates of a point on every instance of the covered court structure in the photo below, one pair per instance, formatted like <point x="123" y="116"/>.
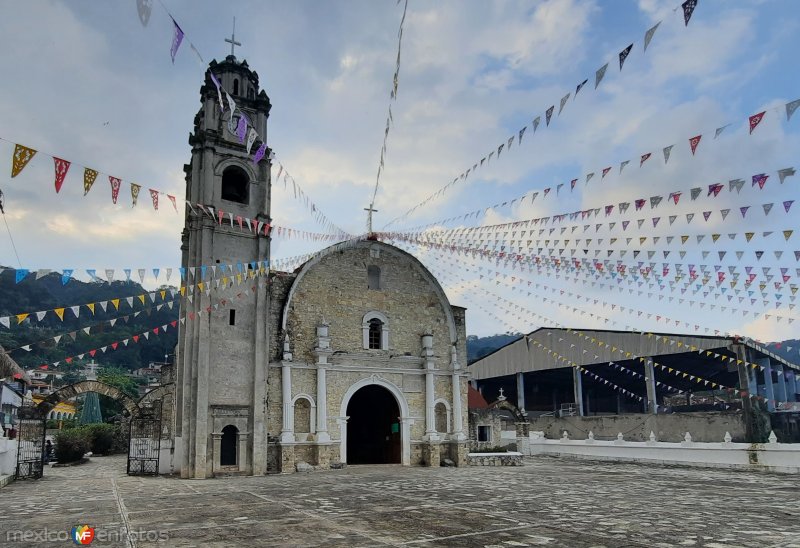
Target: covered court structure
<point x="611" y="381"/>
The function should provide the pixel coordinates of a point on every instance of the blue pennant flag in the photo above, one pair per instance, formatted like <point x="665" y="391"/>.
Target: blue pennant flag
<point x="66" y="275"/>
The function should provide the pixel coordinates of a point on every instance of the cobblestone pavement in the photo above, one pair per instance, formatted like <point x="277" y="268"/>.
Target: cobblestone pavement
<point x="547" y="502"/>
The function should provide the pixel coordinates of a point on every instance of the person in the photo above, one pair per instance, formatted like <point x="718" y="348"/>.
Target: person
<point x="48" y="451"/>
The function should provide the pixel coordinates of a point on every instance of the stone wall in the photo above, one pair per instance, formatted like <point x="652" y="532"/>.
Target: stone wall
<point x="335" y="288"/>
<point x="495" y="459"/>
<point x="704" y="427"/>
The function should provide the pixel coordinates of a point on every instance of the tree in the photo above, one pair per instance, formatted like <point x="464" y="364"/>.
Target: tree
<point x="122" y="381"/>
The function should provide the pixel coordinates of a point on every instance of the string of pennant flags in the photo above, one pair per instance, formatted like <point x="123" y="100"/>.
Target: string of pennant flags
<point x="758" y="181"/>
<point x="218" y="274"/>
<point x="94" y="328"/>
<point x="744" y="312"/>
<point x="242" y="128"/>
<point x="589" y="300"/>
<point x="688" y="9"/>
<point x="722" y="291"/>
<point x="616" y="269"/>
<point x="157" y="330"/>
<point x="22" y="156"/>
<point x="392" y="99"/>
<point x="626" y="354"/>
<point x="599" y="378"/>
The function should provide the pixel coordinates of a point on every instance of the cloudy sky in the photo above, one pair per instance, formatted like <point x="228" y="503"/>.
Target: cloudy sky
<point x="85" y="81"/>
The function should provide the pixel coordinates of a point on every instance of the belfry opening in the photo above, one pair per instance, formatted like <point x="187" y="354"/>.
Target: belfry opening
<point x="373" y="427"/>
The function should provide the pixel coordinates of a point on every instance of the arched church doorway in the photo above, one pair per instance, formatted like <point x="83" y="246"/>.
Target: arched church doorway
<point x="373" y="427"/>
<point x="227" y="454"/>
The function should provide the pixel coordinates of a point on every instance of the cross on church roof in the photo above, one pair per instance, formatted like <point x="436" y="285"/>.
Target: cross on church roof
<point x="232" y="40"/>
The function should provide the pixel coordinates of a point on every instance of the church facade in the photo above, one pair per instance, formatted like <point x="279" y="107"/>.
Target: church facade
<point x="356" y="357"/>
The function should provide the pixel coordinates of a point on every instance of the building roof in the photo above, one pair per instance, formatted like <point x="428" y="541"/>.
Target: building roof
<point x="475" y="399"/>
<point x="10" y="369"/>
<point x="520" y="356"/>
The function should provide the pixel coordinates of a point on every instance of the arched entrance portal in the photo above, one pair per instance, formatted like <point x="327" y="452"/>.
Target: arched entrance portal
<point x="373" y="427"/>
<point x="230" y="438"/>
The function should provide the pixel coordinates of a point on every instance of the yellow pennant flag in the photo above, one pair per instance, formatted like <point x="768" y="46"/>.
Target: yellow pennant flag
<point x="715" y="237"/>
<point x="183" y="290"/>
<point x="749" y="235"/>
<point x="163" y="295"/>
<point x="642" y="239"/>
<point x="684" y="238"/>
<point x="200" y="286"/>
<point x="115" y="302"/>
<point x="21" y="317"/>
<point x="90" y="306"/>
<point x="60" y="313"/>
<point x="141" y="298"/>
<point x="22" y="155"/>
<point x="89" y="176"/>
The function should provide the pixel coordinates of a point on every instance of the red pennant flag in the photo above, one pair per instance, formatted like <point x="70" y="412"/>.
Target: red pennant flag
<point x="760" y="180"/>
<point x="605" y="172"/>
<point x="155" y="330"/>
<point x="92" y="353"/>
<point x="114" y="345"/>
<point x="68" y="360"/>
<point x="220" y="213"/>
<point x="136" y="338"/>
<point x="154" y="197"/>
<point x="755" y="119"/>
<point x="693" y="142"/>
<point x="675" y="197"/>
<point x="61" y="166"/>
<point x="172" y="199"/>
<point x="173" y="323"/>
<point x="644" y="158"/>
<point x="115" y="184"/>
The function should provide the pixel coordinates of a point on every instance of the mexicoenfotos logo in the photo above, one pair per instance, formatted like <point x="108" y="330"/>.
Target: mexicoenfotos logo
<point x="82" y="534"/>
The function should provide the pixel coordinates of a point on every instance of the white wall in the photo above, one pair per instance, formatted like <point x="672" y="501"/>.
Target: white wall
<point x="774" y="457"/>
<point x="8" y="456"/>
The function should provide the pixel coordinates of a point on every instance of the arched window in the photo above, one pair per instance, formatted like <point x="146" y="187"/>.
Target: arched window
<point x="373" y="277"/>
<point x="235" y="185"/>
<point x="302" y="416"/>
<point x="440" y="413"/>
<point x="236" y="86"/>
<point x="375" y="333"/>
<point x="375" y="329"/>
<point x="227" y="454"/>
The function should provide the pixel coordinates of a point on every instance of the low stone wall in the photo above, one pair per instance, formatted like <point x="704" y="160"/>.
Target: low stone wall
<point x="708" y="426"/>
<point x="512" y="458"/>
<point x="772" y="456"/>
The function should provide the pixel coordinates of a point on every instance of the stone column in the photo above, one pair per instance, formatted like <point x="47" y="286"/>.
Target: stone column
<point x="323" y="352"/>
<point x="577" y="388"/>
<point x="242" y="448"/>
<point x="430" y="419"/>
<point x="768" y="385"/>
<point x="520" y="392"/>
<point x="216" y="443"/>
<point x="287" y="433"/>
<point x="322" y="405"/>
<point x="458" y="425"/>
<point x="650" y="381"/>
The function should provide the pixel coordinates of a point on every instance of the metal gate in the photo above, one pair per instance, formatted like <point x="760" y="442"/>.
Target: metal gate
<point x="144" y="441"/>
<point x="30" y="437"/>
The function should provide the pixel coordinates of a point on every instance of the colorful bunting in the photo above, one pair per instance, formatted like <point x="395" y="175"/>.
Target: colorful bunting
<point x="693" y="142"/>
<point x="755" y="119"/>
<point x="135" y="193"/>
<point x="115" y="184"/>
<point x="89" y="176"/>
<point x="154" y="197"/>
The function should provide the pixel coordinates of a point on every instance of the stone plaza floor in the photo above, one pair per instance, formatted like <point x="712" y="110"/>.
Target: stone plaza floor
<point x="547" y="502"/>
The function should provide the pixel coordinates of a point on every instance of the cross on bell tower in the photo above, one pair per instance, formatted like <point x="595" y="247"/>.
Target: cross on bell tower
<point x="232" y="40"/>
<point x="370" y="210"/>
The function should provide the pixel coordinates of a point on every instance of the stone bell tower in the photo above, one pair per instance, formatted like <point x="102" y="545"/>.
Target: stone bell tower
<point x="221" y="359"/>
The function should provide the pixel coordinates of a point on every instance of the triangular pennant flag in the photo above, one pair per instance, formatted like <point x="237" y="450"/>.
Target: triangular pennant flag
<point x="580" y="86"/>
<point x="22" y="155"/>
<point x="755" y="119"/>
<point x="549" y="114"/>
<point x="791" y="107"/>
<point x="624" y="55"/>
<point x="693" y="142"/>
<point x="786" y="172"/>
<point x="601" y="72"/>
<point x="177" y="38"/>
<point x="667" y="152"/>
<point x="89" y="176"/>
<point x="688" y="9"/>
<point x="135" y="193"/>
<point x="61" y="167"/>
<point x="649" y="35"/>
<point x="115" y="184"/>
<point x="154" y="197"/>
